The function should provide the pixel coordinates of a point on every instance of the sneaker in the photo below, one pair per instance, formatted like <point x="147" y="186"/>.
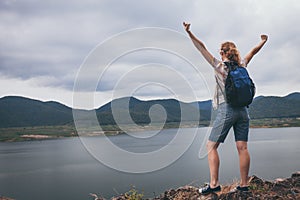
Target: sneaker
<point x="243" y="189"/>
<point x="239" y="188"/>
<point x="208" y="190"/>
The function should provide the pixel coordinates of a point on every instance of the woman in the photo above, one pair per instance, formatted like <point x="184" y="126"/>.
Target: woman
<point x="227" y="116"/>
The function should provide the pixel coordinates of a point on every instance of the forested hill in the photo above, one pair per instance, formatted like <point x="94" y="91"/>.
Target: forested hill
<point x="18" y="111"/>
<point x="274" y="107"/>
<point x="24" y="112"/>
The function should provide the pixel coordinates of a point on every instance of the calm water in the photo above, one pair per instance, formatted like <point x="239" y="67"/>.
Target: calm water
<point x="63" y="169"/>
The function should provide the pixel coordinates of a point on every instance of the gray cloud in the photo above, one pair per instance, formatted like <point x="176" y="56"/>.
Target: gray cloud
<point x="48" y="40"/>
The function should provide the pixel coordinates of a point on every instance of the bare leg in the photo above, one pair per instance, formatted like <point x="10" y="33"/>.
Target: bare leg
<point x="244" y="162"/>
<point x="213" y="162"/>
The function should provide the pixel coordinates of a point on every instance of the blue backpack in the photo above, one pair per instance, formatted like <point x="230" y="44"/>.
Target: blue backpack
<point x="239" y="87"/>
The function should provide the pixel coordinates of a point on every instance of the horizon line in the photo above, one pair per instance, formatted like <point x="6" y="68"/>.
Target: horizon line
<point x="151" y="99"/>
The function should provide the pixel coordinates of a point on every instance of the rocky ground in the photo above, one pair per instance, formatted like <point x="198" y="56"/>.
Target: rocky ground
<point x="288" y="188"/>
<point x="280" y="189"/>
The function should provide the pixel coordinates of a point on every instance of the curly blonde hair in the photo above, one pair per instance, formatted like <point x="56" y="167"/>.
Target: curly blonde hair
<point x="231" y="52"/>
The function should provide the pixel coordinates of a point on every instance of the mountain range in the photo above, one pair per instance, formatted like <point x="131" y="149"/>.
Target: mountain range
<point x="16" y="111"/>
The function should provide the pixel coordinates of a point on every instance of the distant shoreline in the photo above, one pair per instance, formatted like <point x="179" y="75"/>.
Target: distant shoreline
<point x="19" y="134"/>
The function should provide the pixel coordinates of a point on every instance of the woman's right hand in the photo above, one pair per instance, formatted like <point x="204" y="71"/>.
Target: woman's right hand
<point x="186" y="26"/>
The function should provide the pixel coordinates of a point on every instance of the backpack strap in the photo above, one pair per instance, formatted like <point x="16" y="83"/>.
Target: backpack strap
<point x="232" y="65"/>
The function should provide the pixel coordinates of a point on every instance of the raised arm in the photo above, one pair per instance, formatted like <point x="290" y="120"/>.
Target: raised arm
<point x="199" y="45"/>
<point x="256" y="49"/>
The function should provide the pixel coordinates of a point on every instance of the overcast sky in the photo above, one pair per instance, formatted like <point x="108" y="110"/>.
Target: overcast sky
<point x="44" y="44"/>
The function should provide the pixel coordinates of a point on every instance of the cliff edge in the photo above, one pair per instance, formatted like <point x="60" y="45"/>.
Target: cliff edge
<point x="287" y="188"/>
<point x="280" y="189"/>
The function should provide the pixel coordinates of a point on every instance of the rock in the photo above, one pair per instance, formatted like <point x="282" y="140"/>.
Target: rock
<point x="212" y="196"/>
<point x="121" y="197"/>
<point x="280" y="189"/>
<point x="279" y="179"/>
<point x="236" y="195"/>
<point x="256" y="181"/>
<point x="186" y="192"/>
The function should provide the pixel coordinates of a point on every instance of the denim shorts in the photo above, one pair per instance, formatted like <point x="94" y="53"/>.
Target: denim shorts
<point x="227" y="117"/>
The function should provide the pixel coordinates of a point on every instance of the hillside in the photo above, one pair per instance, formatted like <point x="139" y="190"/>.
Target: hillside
<point x="275" y="107"/>
<point x="23" y="112"/>
<point x="170" y="109"/>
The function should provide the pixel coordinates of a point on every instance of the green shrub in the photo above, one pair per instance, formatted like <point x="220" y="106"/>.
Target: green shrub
<point x="133" y="195"/>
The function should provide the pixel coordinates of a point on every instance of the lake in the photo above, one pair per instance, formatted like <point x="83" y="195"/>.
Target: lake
<point x="64" y="169"/>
